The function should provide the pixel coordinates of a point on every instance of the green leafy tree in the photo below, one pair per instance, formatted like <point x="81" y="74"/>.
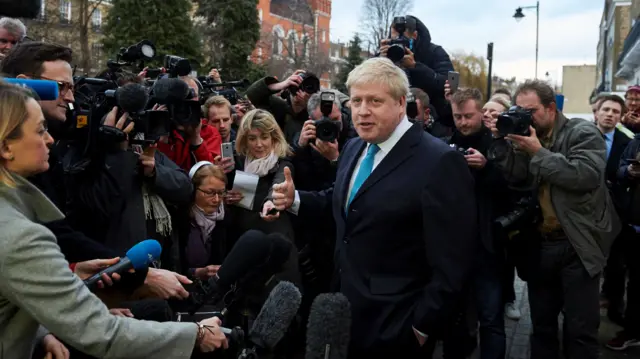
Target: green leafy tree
<point x="230" y="31"/>
<point x="353" y="59"/>
<point x="165" y="22"/>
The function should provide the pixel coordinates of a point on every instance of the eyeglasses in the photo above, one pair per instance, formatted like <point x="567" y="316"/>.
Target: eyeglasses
<point x="63" y="86"/>
<point x="220" y="194"/>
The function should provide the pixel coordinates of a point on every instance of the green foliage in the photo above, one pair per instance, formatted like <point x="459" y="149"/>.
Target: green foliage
<point x="167" y="23"/>
<point x="354" y="58"/>
<point x="230" y="32"/>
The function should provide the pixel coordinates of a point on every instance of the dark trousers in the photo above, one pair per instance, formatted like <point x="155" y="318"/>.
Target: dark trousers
<point x="560" y="282"/>
<point x="615" y="274"/>
<point x="487" y="288"/>
<point x="508" y="279"/>
<point x="632" y="312"/>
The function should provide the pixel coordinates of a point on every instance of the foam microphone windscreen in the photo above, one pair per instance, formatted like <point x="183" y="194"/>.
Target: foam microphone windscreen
<point x="29" y="9"/>
<point x="132" y="98"/>
<point x="253" y="249"/>
<point x="170" y="90"/>
<point x="45" y="89"/>
<point x="328" y="329"/>
<point x="144" y="253"/>
<point x="276" y="316"/>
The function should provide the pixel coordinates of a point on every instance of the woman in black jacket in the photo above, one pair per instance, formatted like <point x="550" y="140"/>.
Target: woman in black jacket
<point x="203" y="226"/>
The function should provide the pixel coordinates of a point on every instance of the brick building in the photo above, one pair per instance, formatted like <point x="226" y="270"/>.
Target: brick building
<point x="615" y="25"/>
<point x="295" y="34"/>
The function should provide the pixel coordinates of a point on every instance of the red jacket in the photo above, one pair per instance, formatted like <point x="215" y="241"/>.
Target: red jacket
<point x="181" y="153"/>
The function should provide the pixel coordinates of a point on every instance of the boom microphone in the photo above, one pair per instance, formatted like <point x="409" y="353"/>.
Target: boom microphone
<point x="45" y="89"/>
<point x="29" y="9"/>
<point x="138" y="257"/>
<point x="276" y="316"/>
<point x="328" y="329"/>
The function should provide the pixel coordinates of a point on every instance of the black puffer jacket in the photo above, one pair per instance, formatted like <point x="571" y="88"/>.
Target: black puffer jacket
<point x="432" y="67"/>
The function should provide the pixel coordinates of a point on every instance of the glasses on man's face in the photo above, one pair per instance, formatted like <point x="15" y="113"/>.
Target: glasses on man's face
<point x="220" y="194"/>
<point x="633" y="99"/>
<point x="63" y="86"/>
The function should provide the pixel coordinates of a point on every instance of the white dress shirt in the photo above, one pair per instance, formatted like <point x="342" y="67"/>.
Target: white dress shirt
<point x="385" y="147"/>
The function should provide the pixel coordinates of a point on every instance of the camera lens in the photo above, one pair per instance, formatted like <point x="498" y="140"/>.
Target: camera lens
<point x="327" y="130"/>
<point x="395" y="53"/>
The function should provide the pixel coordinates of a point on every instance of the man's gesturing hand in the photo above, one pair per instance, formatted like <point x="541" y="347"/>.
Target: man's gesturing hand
<point x="284" y="193"/>
<point x="166" y="284"/>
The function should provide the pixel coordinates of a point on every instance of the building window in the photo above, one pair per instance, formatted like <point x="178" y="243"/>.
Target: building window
<point x="260" y="15"/>
<point x="278" y="37"/>
<point x="324" y="36"/>
<point x="96" y="18"/>
<point x="43" y="11"/>
<point x="97" y="54"/>
<point x="291" y="43"/>
<point x="305" y="46"/>
<point x="65" y="11"/>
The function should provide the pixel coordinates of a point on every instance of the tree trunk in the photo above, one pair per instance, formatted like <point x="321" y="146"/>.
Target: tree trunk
<point x="84" y="18"/>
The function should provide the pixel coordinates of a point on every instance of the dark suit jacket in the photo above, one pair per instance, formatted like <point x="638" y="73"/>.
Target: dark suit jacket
<point x="620" y="142"/>
<point x="405" y="247"/>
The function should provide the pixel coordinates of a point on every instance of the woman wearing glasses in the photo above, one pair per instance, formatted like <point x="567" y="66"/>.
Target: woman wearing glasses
<point x="204" y="230"/>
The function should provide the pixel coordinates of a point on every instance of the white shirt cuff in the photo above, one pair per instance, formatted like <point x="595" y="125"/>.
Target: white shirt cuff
<point x="295" y="207"/>
<point x="421" y="333"/>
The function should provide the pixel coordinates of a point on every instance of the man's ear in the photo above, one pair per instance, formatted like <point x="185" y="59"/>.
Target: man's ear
<point x="21" y="76"/>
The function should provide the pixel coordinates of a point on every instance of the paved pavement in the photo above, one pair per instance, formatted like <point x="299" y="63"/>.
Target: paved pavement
<point x="518" y="332"/>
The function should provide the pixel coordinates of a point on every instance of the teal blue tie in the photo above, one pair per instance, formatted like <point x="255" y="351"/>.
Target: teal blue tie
<point x="366" y="167"/>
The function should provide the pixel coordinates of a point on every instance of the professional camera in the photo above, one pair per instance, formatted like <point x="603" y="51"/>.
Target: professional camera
<point x="464" y="151"/>
<point x="310" y="84"/>
<point x="133" y="56"/>
<point x="525" y="211"/>
<point x="412" y="107"/>
<point x="398" y="45"/>
<point x="327" y="129"/>
<point x="177" y="66"/>
<point x="226" y="89"/>
<point x="515" y="121"/>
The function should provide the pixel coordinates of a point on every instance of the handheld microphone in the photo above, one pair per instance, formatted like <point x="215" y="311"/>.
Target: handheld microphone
<point x="45" y="89"/>
<point x="29" y="9"/>
<point x="131" y="98"/>
<point x="328" y="329"/>
<point x="276" y="315"/>
<point x="138" y="257"/>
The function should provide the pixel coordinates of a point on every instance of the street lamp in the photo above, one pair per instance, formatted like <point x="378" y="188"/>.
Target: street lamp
<point x="519" y="15"/>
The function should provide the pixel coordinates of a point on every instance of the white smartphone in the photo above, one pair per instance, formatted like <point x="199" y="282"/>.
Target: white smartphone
<point x="454" y="80"/>
<point x="226" y="149"/>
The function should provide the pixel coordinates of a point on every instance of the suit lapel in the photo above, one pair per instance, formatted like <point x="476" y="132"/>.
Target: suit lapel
<point x="401" y="152"/>
<point x="351" y="159"/>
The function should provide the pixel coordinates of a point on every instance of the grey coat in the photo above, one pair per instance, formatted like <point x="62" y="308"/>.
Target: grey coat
<point x="574" y="167"/>
<point x="37" y="289"/>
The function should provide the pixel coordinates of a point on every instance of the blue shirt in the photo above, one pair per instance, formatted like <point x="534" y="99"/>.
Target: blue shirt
<point x="608" y="138"/>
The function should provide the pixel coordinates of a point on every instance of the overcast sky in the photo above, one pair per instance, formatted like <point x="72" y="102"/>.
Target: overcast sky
<point x="568" y="31"/>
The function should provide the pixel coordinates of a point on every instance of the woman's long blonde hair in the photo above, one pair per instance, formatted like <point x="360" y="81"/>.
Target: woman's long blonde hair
<point x="266" y="123"/>
<point x="13" y="113"/>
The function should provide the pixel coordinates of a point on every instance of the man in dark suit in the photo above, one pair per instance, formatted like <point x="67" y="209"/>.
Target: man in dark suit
<point x="405" y="212"/>
<point x="609" y="111"/>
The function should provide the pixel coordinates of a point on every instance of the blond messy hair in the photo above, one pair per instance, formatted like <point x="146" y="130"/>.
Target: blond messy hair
<point x="380" y="71"/>
<point x="264" y="122"/>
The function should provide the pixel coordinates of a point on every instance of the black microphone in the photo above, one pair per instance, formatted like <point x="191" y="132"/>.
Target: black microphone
<point x="131" y="98"/>
<point x="254" y="255"/>
<point x="170" y="90"/>
<point x="275" y="317"/>
<point x="328" y="329"/>
<point x="138" y="257"/>
<point x="254" y="249"/>
<point x="29" y="9"/>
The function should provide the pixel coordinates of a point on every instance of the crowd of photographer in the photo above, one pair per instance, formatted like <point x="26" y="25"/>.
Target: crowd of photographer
<point x="91" y="173"/>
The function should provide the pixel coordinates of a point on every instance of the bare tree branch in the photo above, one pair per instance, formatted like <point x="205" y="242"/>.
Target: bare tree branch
<point x="377" y="16"/>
